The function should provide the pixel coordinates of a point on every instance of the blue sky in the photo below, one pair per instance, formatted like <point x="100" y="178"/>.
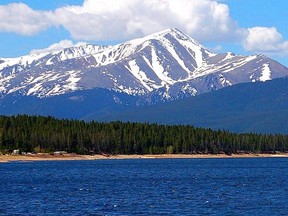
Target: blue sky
<point x="241" y="26"/>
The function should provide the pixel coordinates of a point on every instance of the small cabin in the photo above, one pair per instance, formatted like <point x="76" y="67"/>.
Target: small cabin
<point x="16" y="152"/>
<point x="60" y="152"/>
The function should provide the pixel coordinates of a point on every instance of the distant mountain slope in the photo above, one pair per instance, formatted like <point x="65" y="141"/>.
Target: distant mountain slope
<point x="258" y="107"/>
<point x="73" y="105"/>
<point x="165" y="66"/>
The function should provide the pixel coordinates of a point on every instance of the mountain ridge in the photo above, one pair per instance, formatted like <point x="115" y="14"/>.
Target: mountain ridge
<point x="169" y="65"/>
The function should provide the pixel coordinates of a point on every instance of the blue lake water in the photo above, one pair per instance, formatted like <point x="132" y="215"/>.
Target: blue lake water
<point x="145" y="187"/>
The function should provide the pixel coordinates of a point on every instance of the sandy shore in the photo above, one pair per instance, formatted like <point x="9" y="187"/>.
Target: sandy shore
<point x="49" y="157"/>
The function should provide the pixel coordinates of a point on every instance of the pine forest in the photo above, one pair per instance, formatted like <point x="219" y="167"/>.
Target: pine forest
<point x="47" y="135"/>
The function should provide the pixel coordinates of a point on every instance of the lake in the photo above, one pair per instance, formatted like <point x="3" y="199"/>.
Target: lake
<point x="252" y="186"/>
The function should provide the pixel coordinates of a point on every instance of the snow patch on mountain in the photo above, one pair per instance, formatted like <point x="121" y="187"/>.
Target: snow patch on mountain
<point x="139" y="74"/>
<point x="189" y="89"/>
<point x="157" y="66"/>
<point x="266" y="73"/>
<point x="23" y="60"/>
<point x="171" y="49"/>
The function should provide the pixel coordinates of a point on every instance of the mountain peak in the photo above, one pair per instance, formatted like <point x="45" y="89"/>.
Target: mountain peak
<point x="170" y="31"/>
<point x="174" y="32"/>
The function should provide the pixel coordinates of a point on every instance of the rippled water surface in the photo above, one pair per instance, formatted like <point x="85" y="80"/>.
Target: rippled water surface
<point x="145" y="187"/>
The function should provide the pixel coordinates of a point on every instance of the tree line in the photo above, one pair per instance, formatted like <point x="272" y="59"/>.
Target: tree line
<point x="47" y="134"/>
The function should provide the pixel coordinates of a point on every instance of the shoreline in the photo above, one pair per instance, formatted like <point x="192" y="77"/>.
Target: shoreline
<point x="67" y="157"/>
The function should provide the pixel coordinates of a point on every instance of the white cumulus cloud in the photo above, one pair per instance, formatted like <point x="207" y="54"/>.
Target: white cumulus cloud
<point x="205" y="20"/>
<point x="264" y="39"/>
<point x="20" y="18"/>
<point x="106" y="20"/>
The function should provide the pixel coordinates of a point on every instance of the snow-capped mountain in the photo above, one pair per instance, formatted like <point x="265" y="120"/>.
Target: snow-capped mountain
<point x="164" y="66"/>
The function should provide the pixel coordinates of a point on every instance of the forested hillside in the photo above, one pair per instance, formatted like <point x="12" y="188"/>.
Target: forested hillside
<point x="47" y="134"/>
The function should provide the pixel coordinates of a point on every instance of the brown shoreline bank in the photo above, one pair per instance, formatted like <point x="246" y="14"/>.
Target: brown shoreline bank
<point x="49" y="157"/>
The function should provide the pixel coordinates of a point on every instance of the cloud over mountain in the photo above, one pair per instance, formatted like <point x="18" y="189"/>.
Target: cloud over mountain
<point x="265" y="40"/>
<point x="204" y="20"/>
